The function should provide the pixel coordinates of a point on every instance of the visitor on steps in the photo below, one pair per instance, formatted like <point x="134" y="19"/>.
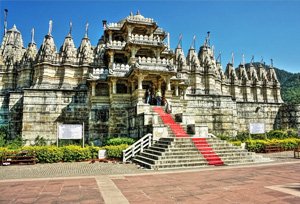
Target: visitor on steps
<point x="168" y="106"/>
<point x="158" y="97"/>
<point x="147" y="96"/>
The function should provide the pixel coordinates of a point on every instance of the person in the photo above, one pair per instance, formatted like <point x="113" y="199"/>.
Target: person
<point x="158" y="98"/>
<point x="168" y="106"/>
<point x="147" y="96"/>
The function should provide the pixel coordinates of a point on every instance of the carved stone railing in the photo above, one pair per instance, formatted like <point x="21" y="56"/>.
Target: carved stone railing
<point x="116" y="44"/>
<point x="144" y="39"/>
<point x="149" y="60"/>
<point x="114" y="25"/>
<point x="140" y="19"/>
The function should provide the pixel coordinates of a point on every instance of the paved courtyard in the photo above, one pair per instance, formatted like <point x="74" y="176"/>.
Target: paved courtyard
<point x="277" y="182"/>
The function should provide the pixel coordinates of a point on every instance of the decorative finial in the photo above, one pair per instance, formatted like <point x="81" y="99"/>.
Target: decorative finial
<point x="271" y="63"/>
<point x="262" y="60"/>
<point x="168" y="40"/>
<point x="193" y="45"/>
<point x="50" y="27"/>
<point x="219" y="58"/>
<point x="207" y="40"/>
<point x="243" y="58"/>
<point x="138" y="12"/>
<point x="232" y="58"/>
<point x="104" y="22"/>
<point x="213" y="51"/>
<point x="86" y="30"/>
<point x="179" y="45"/>
<point x="5" y="20"/>
<point x="252" y="59"/>
<point x="131" y="14"/>
<point x="32" y="36"/>
<point x="70" y="31"/>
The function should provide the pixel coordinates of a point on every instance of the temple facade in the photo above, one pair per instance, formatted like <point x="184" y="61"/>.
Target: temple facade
<point x="104" y="86"/>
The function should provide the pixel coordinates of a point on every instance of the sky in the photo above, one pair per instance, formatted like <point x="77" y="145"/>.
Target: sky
<point x="267" y="29"/>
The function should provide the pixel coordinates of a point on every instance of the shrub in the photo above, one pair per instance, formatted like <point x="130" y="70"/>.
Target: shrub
<point x="46" y="154"/>
<point x="224" y="137"/>
<point x="115" y="151"/>
<point x="260" y="145"/>
<point x="94" y="151"/>
<point x="256" y="145"/>
<point x="277" y="134"/>
<point x="236" y="143"/>
<point x="242" y="136"/>
<point x="119" y="141"/>
<point x="75" y="153"/>
<point x="258" y="136"/>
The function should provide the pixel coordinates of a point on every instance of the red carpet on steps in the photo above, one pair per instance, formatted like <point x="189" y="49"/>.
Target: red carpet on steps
<point x="167" y="119"/>
<point x="201" y="143"/>
<point x="207" y="152"/>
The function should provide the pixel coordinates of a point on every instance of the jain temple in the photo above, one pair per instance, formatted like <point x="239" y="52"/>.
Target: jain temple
<point x="104" y="86"/>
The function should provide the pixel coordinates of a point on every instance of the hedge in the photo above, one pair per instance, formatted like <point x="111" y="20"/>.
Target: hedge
<point x="260" y="145"/>
<point x="119" y="141"/>
<point x="52" y="154"/>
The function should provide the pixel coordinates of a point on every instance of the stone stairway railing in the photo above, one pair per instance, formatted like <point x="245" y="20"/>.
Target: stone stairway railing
<point x="137" y="147"/>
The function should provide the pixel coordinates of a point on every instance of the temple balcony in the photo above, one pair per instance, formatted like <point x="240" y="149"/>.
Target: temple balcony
<point x="118" y="45"/>
<point x="139" y="19"/>
<point x="145" y="40"/>
<point x="114" y="26"/>
<point x="117" y="69"/>
<point x="155" y="64"/>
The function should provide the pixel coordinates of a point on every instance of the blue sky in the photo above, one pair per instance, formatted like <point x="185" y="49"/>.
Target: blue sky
<point x="268" y="29"/>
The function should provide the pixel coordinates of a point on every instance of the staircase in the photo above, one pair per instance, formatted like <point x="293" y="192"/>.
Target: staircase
<point x="181" y="151"/>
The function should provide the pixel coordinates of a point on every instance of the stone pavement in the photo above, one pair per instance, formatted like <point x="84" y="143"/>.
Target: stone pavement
<point x="277" y="182"/>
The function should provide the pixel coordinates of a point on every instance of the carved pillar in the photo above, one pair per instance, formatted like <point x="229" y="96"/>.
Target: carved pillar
<point x="110" y="36"/>
<point x="114" y="86"/>
<point x="157" y="53"/>
<point x="140" y="81"/>
<point x="129" y="28"/>
<point x="111" y="58"/>
<point x="176" y="89"/>
<point x="93" y="88"/>
<point x="132" y="57"/>
<point x="168" y="83"/>
<point x="132" y="86"/>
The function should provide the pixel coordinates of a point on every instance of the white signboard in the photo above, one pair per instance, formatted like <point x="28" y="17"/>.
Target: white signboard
<point x="257" y="128"/>
<point x="203" y="131"/>
<point x="70" y="131"/>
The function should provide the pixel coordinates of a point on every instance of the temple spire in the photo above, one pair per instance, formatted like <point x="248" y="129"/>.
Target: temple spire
<point x="179" y="45"/>
<point x="32" y="36"/>
<point x="70" y="30"/>
<point x="193" y="45"/>
<point x="271" y="63"/>
<point x="252" y="59"/>
<point x="86" y="30"/>
<point x="207" y="39"/>
<point x="219" y="58"/>
<point x="50" y="27"/>
<point x="262" y="60"/>
<point x="168" y="40"/>
<point x="5" y="20"/>
<point x="232" y="58"/>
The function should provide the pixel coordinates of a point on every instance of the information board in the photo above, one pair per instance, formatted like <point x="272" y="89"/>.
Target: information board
<point x="257" y="128"/>
<point x="70" y="131"/>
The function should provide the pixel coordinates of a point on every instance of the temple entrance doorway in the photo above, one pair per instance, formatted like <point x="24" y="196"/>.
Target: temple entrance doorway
<point x="151" y="88"/>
